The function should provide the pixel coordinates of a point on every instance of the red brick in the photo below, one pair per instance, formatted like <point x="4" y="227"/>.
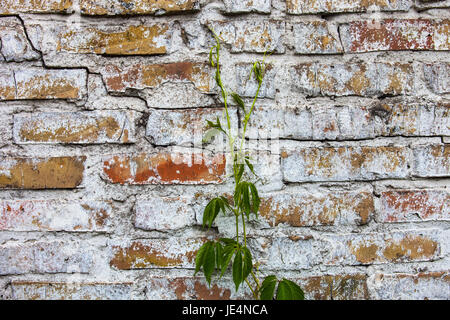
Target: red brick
<point x="414" y="205"/>
<point x="136" y="7"/>
<point x="155" y="253"/>
<point x="164" y="168"/>
<point x="395" y="34"/>
<point x="32" y="290"/>
<point x="54" y="215"/>
<point x="41" y="173"/>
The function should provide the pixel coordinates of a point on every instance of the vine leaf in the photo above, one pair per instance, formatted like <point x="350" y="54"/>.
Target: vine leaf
<point x="267" y="289"/>
<point x="212" y="210"/>
<point x="238" y="275"/>
<point x="247" y="198"/>
<point x="238" y="100"/>
<point x="289" y="290"/>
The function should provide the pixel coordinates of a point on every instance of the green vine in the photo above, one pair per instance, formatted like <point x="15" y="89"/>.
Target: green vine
<point x="218" y="255"/>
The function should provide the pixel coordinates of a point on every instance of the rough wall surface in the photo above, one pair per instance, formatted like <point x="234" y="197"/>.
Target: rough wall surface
<point x="101" y="103"/>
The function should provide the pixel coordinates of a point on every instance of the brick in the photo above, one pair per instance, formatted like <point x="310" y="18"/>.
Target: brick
<point x="327" y="6"/>
<point x="44" y="257"/>
<point x="289" y="253"/>
<point x="359" y="79"/>
<point x="395" y="34"/>
<point x="164" y="168"/>
<point x="437" y="77"/>
<point x="316" y="37"/>
<point x="15" y="46"/>
<point x="246" y="86"/>
<point x="381" y="248"/>
<point x="403" y="286"/>
<point x="48" y="6"/>
<point x="245" y="6"/>
<point x="155" y="253"/>
<point x="325" y="122"/>
<point x="194" y="288"/>
<point x="137" y="7"/>
<point x="251" y="36"/>
<point x="7" y="85"/>
<point x="55" y="215"/>
<point x="115" y="40"/>
<point x="345" y="163"/>
<point x="74" y="127"/>
<point x="32" y="290"/>
<point x="432" y="160"/>
<point x="41" y="173"/>
<point x="334" y="287"/>
<point x="414" y="205"/>
<point x="303" y="210"/>
<point x="163" y="213"/>
<point x="138" y="76"/>
<point x="430" y="4"/>
<point x="186" y="126"/>
<point x="37" y="83"/>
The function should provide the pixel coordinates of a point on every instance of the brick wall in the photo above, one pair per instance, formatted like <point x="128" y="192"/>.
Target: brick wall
<point x="103" y="102"/>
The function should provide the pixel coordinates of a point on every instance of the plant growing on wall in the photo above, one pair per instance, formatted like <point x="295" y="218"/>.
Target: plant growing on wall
<point x="218" y="255"/>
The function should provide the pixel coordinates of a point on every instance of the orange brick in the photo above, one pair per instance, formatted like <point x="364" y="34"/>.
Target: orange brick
<point x="138" y="76"/>
<point x="164" y="168"/>
<point x="129" y="40"/>
<point x="155" y="253"/>
<point x="41" y="173"/>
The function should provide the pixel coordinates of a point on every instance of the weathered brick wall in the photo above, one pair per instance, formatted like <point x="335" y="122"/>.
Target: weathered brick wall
<point x="101" y="196"/>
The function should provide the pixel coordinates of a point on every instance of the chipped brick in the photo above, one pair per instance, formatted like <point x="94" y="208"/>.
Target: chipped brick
<point x="137" y="7"/>
<point x="55" y="215"/>
<point x="41" y="173"/>
<point x="164" y="168"/>
<point x="74" y="127"/>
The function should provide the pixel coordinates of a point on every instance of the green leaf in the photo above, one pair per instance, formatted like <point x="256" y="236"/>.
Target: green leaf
<point x="241" y="171"/>
<point x="211" y="61"/>
<point x="210" y="262"/>
<point x="288" y="290"/>
<point x="250" y="166"/>
<point x="228" y="253"/>
<point x="296" y="292"/>
<point x="200" y="257"/>
<point x="219" y="255"/>
<point x="228" y="241"/>
<point x="237" y="270"/>
<point x="247" y="263"/>
<point x="268" y="288"/>
<point x="256" y="201"/>
<point x="238" y="100"/>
